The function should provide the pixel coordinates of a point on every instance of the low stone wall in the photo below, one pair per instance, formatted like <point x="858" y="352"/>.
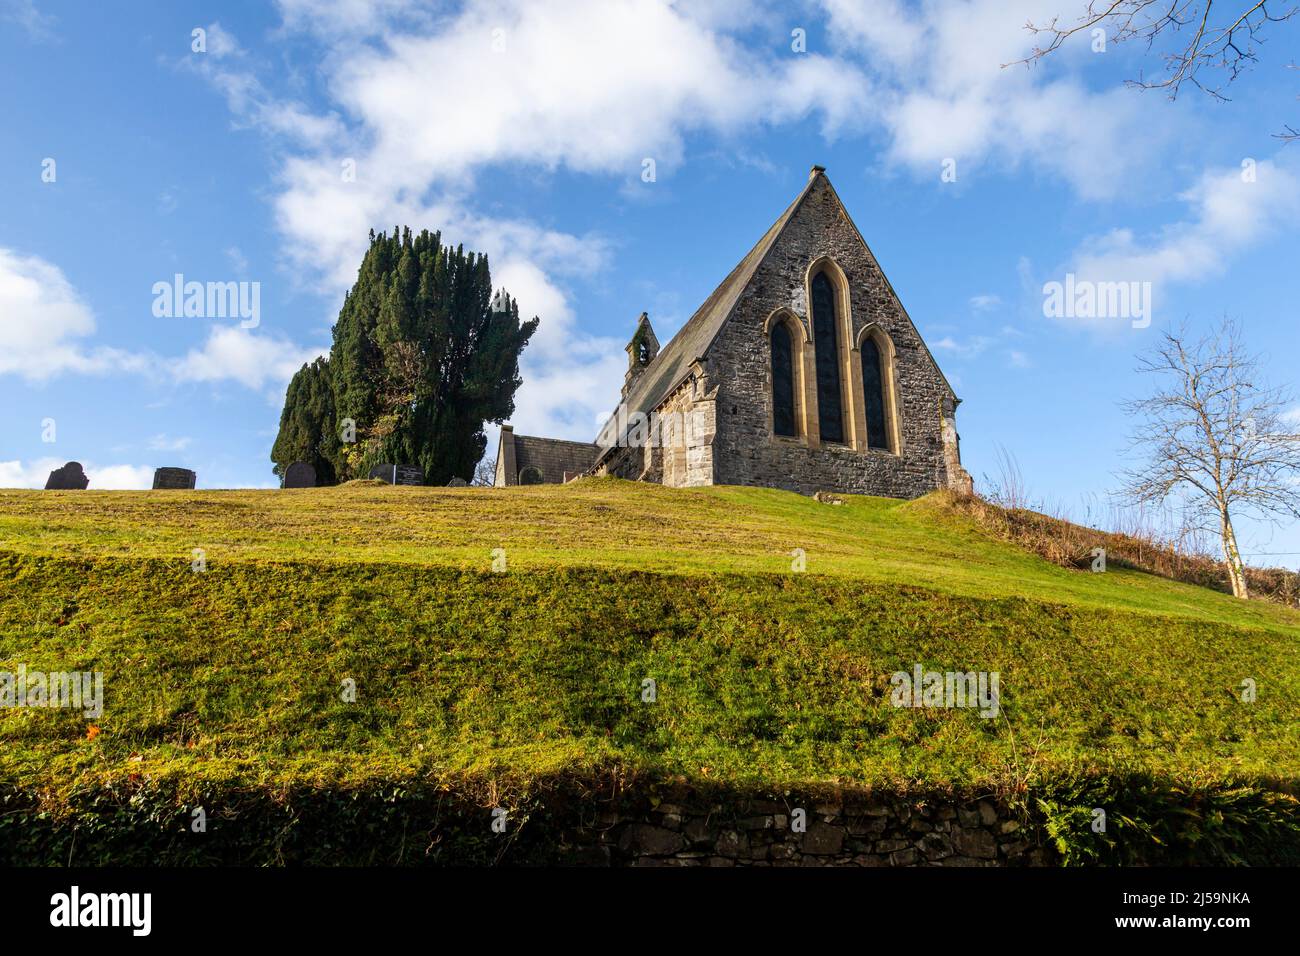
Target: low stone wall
<point x="765" y="832"/>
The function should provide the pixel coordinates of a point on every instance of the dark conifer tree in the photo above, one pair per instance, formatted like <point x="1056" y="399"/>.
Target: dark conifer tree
<point x="424" y="355"/>
<point x="307" y="428"/>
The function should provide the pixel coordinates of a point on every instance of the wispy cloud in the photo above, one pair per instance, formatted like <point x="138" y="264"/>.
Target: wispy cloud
<point x="162" y="442"/>
<point x="967" y="348"/>
<point x="39" y="26"/>
<point x="1227" y="212"/>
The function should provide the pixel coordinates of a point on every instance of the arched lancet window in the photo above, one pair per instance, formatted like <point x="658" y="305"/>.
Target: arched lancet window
<point x="873" y="391"/>
<point x="830" y="411"/>
<point x="783" y="422"/>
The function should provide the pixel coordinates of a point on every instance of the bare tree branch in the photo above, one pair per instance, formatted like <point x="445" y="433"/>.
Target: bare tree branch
<point x="485" y="474"/>
<point x="1202" y="37"/>
<point x="1214" y="438"/>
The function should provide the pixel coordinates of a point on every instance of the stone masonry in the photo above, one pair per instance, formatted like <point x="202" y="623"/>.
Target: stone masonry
<point x="691" y="830"/>
<point x="700" y="410"/>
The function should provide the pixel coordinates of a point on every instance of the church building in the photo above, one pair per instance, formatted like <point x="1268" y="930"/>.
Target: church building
<point x="801" y="371"/>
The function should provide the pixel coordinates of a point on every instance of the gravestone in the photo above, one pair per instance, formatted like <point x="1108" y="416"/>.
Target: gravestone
<point x="300" y="475"/>
<point x="458" y="482"/>
<point x="174" y="479"/>
<point x="68" y="478"/>
<point x="384" y="472"/>
<point x="408" y="475"/>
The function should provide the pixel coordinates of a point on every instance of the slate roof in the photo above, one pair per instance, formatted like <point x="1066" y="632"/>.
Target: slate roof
<point x="693" y="339"/>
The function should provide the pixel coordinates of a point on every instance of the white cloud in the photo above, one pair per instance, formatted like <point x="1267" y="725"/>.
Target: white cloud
<point x="1225" y="216"/>
<point x="942" y="91"/>
<point x="43" y="322"/>
<point x="120" y="477"/>
<point x="593" y="85"/>
<point x="886" y="29"/>
<point x="234" y="354"/>
<point x="223" y="65"/>
<point x="983" y="303"/>
<point x="34" y="474"/>
<point x="570" y="379"/>
<point x="221" y="43"/>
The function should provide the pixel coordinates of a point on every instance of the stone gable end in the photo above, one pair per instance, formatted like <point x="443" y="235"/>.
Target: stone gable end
<point x="746" y="450"/>
<point x="711" y="388"/>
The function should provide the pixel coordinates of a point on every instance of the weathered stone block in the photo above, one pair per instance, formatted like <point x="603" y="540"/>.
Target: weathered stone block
<point x="976" y="843"/>
<point x="935" y="846"/>
<point x="643" y="838"/>
<point x="783" y="851"/>
<point x="732" y="844"/>
<point x="698" y="831"/>
<point x="822" y="839"/>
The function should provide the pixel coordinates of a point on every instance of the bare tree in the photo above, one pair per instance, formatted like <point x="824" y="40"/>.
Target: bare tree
<point x="485" y="474"/>
<point x="1214" y="438"/>
<point x="1203" y="35"/>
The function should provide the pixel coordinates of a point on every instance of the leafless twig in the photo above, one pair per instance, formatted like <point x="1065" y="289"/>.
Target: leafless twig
<point x="1203" y="37"/>
<point x="1212" y="435"/>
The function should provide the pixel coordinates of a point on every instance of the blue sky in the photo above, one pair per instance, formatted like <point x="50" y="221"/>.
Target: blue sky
<point x="522" y="130"/>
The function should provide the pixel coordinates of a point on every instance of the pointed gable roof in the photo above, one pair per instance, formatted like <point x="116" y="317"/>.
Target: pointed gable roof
<point x="670" y="367"/>
<point x="693" y="339"/>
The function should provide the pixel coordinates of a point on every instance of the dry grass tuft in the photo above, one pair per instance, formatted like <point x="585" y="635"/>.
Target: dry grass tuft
<point x="1071" y="545"/>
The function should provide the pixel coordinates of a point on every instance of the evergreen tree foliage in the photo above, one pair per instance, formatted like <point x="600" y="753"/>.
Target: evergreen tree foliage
<point x="307" y="430"/>
<point x="423" y="356"/>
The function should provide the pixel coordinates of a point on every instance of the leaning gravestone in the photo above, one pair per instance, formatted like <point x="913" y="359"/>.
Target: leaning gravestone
<point x="300" y="475"/>
<point x="384" y="472"/>
<point x="457" y="482"/>
<point x="174" y="479"/>
<point x="408" y="475"/>
<point x="70" y="477"/>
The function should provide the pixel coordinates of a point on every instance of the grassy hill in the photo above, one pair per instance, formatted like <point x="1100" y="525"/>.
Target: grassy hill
<point x="495" y="686"/>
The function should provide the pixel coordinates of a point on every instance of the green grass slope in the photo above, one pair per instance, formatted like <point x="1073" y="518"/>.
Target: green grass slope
<point x="489" y="682"/>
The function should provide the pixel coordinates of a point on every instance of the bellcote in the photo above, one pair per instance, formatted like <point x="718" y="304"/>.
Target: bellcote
<point x="641" y="351"/>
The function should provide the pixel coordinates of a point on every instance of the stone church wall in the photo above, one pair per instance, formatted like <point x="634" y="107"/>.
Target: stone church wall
<point x="745" y="451"/>
<point x="679" y="453"/>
